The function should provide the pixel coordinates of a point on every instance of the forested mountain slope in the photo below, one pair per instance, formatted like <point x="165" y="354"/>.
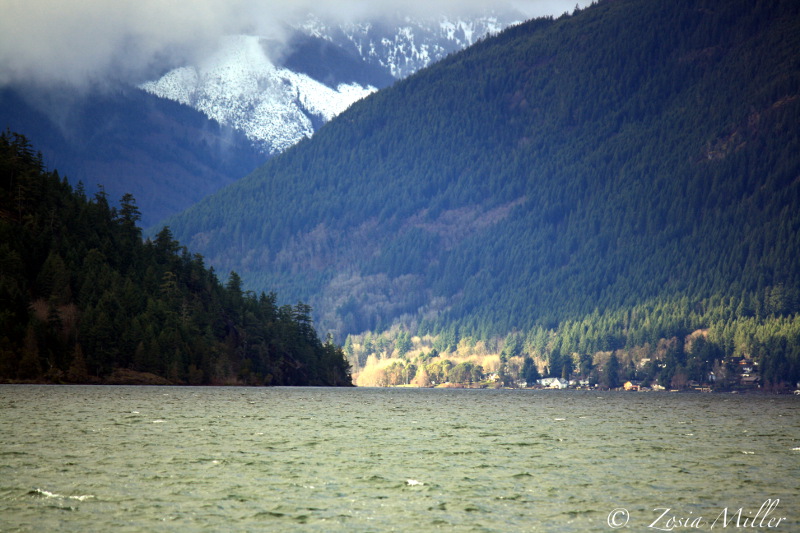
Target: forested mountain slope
<point x="635" y="153"/>
<point x="127" y="141"/>
<point x="84" y="300"/>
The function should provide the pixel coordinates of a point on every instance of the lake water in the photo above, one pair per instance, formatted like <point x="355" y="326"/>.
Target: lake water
<point x="76" y="458"/>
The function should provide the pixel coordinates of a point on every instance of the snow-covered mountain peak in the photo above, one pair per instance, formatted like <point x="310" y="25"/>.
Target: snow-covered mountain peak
<point x="239" y="86"/>
<point x="405" y="44"/>
<point x="276" y="104"/>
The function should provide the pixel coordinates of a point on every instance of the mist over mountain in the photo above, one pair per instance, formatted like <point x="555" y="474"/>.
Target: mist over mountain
<point x="633" y="155"/>
<point x="278" y="92"/>
<point x="192" y="129"/>
<point x="82" y="44"/>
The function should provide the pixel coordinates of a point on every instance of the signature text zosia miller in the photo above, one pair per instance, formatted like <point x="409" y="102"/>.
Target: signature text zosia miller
<point x="736" y="519"/>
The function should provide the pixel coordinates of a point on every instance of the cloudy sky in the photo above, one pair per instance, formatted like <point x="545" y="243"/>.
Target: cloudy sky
<point x="78" y="41"/>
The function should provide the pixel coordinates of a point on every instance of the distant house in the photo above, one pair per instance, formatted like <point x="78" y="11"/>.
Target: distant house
<point x="632" y="385"/>
<point x="746" y="366"/>
<point x="553" y="383"/>
<point x="750" y="380"/>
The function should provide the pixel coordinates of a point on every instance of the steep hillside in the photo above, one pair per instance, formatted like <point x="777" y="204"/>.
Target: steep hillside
<point x="635" y="153"/>
<point x="167" y="155"/>
<point x="84" y="300"/>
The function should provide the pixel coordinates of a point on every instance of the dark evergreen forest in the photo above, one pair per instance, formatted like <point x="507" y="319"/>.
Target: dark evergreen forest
<point x="83" y="299"/>
<point x="627" y="173"/>
<point x="625" y="180"/>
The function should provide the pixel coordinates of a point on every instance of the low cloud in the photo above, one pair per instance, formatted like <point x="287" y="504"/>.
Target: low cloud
<point x="89" y="42"/>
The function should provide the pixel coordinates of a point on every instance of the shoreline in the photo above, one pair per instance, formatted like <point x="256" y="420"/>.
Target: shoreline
<point x="133" y="378"/>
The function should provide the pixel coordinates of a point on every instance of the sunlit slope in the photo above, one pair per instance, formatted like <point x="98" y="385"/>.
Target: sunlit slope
<point x="636" y="151"/>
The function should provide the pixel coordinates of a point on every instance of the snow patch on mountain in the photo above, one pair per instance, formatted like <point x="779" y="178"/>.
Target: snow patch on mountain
<point x="239" y="86"/>
<point x="404" y="45"/>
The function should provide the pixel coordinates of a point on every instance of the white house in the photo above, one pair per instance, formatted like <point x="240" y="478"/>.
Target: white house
<point x="554" y="383"/>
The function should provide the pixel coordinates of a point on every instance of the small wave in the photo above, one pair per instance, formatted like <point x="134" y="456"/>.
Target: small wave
<point x="159" y="421"/>
<point x="559" y="419"/>
<point x="748" y="453"/>
<point x="414" y="483"/>
<point x="796" y="449"/>
<point x="44" y="493"/>
<point x="47" y="494"/>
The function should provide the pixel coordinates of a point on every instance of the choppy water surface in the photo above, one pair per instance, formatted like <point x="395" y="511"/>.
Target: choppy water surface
<point x="286" y="459"/>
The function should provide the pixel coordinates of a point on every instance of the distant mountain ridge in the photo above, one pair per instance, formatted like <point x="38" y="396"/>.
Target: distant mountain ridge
<point x="200" y="127"/>
<point x="636" y="153"/>
<point x="402" y="45"/>
<point x="277" y="94"/>
<point x="127" y="141"/>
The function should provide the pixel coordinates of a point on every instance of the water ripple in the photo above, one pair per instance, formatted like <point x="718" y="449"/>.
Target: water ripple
<point x="240" y="459"/>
